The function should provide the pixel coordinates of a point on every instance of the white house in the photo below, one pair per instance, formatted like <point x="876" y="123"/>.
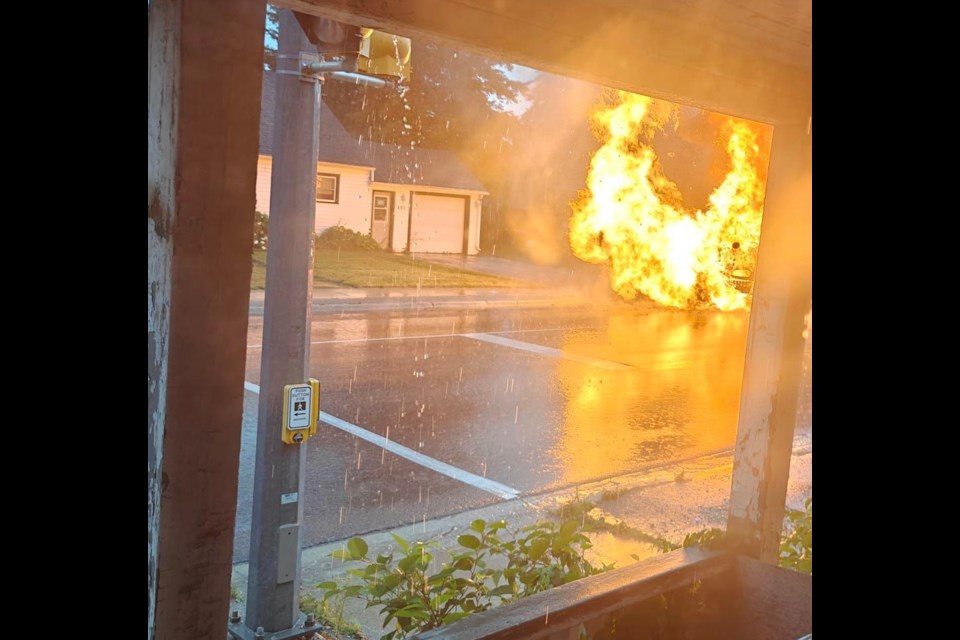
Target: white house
<point x="409" y="199"/>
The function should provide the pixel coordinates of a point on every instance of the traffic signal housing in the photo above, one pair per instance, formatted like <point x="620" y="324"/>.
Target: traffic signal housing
<point x="363" y="49"/>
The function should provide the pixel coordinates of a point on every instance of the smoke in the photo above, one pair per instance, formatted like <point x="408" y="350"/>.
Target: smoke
<point x="548" y="166"/>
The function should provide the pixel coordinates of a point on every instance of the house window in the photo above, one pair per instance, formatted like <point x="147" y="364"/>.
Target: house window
<point x="328" y="187"/>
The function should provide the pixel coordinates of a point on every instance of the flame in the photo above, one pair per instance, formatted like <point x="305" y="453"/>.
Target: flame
<point x="631" y="216"/>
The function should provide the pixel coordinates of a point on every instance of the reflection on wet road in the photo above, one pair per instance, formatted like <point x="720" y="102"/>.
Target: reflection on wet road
<point x="511" y="400"/>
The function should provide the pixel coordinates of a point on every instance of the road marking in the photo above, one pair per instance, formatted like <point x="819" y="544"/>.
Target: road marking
<point x="419" y="337"/>
<point x="490" y="486"/>
<point x="485" y="484"/>
<point x="547" y="351"/>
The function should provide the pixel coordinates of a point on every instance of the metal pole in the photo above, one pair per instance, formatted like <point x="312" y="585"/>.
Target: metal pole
<point x="273" y="587"/>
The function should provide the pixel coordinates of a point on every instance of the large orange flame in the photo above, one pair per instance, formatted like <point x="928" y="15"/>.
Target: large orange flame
<point x="631" y="216"/>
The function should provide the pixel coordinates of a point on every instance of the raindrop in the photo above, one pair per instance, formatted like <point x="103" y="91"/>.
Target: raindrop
<point x="358" y="460"/>
<point x="516" y="416"/>
<point x="341" y="515"/>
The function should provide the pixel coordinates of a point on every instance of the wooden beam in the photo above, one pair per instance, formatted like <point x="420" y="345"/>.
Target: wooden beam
<point x="682" y="54"/>
<point x="775" y="343"/>
<point x="204" y="75"/>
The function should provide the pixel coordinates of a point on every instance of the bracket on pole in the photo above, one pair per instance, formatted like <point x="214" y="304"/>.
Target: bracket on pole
<point x="303" y="627"/>
<point x="312" y="65"/>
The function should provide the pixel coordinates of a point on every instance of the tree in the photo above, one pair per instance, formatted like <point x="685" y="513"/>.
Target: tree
<point x="453" y="98"/>
<point x="271" y="33"/>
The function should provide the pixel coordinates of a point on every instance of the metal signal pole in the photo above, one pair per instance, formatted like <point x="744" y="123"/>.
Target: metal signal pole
<point x="273" y="587"/>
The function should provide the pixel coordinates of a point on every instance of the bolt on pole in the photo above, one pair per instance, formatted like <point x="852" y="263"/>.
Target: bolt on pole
<point x="273" y="587"/>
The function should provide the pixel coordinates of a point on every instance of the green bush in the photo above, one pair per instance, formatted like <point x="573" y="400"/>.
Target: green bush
<point x="796" y="543"/>
<point x="491" y="565"/>
<point x="260" y="230"/>
<point x="339" y="237"/>
<point x="796" y="539"/>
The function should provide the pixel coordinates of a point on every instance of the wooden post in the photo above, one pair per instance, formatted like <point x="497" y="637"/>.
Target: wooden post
<point x="204" y="75"/>
<point x="775" y="343"/>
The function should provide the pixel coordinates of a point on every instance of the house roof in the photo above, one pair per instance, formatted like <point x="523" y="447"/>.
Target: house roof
<point x="393" y="163"/>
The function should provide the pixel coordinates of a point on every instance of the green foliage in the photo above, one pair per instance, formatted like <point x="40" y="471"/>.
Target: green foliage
<point x="796" y="541"/>
<point x="490" y="565"/>
<point x="330" y="612"/>
<point x="260" y="230"/>
<point x="340" y="237"/>
<point x="708" y="539"/>
<point x="581" y="509"/>
<point x="796" y="544"/>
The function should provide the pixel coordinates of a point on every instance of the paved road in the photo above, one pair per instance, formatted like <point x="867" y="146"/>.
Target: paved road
<point x="477" y="406"/>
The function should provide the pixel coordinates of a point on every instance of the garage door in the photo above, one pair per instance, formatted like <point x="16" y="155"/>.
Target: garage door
<point x="436" y="224"/>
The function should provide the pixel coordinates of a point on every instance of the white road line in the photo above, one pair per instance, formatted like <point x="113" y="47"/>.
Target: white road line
<point x="547" y="351"/>
<point x="490" y="486"/>
<point x="414" y="337"/>
<point x="485" y="484"/>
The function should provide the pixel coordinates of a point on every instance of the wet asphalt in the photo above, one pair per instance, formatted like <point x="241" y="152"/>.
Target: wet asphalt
<point x="537" y="394"/>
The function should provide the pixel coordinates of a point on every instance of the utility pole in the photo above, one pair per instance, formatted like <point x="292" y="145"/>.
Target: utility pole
<point x="273" y="584"/>
<point x="273" y="587"/>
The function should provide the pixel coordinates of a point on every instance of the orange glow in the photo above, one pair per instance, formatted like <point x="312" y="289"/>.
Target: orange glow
<point x="631" y="216"/>
<point x="680" y="396"/>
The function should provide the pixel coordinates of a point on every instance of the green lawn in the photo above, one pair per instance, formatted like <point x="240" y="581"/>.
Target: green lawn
<point x="351" y="268"/>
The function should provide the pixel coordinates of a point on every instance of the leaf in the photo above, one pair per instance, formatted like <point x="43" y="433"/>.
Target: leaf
<point x="496" y="526"/>
<point x="357" y="548"/>
<point x="407" y="563"/>
<point x="568" y="528"/>
<point x="329" y="584"/>
<point x="537" y="547"/>
<point x="478" y="525"/>
<point x="469" y="541"/>
<point x="413" y="611"/>
<point x="403" y="543"/>
<point x="454" y="616"/>
<point x="392" y="581"/>
<point x="502" y="590"/>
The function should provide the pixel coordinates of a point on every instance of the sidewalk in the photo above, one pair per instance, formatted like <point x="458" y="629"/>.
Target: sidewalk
<point x="550" y="286"/>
